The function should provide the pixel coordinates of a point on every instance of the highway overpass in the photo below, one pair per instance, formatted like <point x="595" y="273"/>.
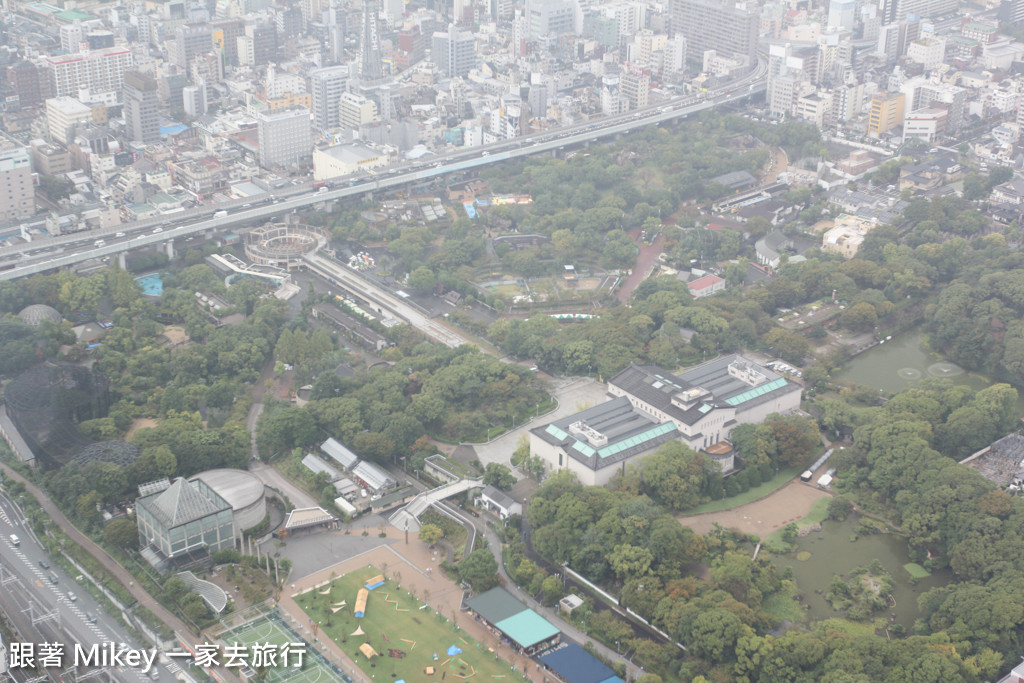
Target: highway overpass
<point x="144" y="233"/>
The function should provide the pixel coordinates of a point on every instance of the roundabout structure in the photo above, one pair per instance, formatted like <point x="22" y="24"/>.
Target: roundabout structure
<point x="282" y="245"/>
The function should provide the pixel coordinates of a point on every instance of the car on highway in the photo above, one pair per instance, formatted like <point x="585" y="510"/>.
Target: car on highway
<point x="72" y="597"/>
<point x="158" y="230"/>
<point x="119" y="234"/>
<point x="44" y="564"/>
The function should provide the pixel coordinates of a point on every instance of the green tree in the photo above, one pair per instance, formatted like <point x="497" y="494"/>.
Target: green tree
<point x="498" y="476"/>
<point x="431" y="534"/>
<point x="479" y="570"/>
<point x="121" y="533"/>
<point x="422" y="279"/>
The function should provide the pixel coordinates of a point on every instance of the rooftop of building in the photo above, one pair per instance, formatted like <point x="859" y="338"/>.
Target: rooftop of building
<point x="620" y="432"/>
<point x="182" y="502"/>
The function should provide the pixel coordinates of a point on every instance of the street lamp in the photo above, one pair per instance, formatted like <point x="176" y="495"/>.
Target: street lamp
<point x="617" y="648"/>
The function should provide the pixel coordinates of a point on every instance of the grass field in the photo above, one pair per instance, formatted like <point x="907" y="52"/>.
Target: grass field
<point x="270" y="630"/>
<point x="916" y="571"/>
<point x="406" y="638"/>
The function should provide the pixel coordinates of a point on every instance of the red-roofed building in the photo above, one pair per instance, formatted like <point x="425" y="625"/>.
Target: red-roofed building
<point x="706" y="286"/>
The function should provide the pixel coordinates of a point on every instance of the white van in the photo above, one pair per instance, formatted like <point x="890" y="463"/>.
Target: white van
<point x="15" y="541"/>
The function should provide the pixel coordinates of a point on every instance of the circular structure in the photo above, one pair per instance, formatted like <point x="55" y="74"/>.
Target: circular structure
<point x="47" y="402"/>
<point x="282" y="245"/>
<point x="911" y="374"/>
<point x="36" y="314"/>
<point x="945" y="369"/>
<point x="242" y="490"/>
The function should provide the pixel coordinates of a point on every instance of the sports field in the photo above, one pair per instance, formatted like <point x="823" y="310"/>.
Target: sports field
<point x="405" y="642"/>
<point x="271" y="630"/>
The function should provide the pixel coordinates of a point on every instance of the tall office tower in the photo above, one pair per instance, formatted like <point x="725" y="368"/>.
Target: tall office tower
<point x="925" y="8"/>
<point x="28" y="82"/>
<point x="225" y="37"/>
<point x="841" y="13"/>
<point x="712" y="25"/>
<point x="393" y="12"/>
<point x="549" y="19"/>
<point x="337" y="29"/>
<point x="18" y="198"/>
<point x="141" y="108"/>
<point x="288" y="22"/>
<point x="285" y="137"/>
<point x="190" y="41"/>
<point x="194" y="99"/>
<point x="369" y="44"/>
<point x="459" y="8"/>
<point x="327" y="86"/>
<point x="1011" y="11"/>
<point x="311" y="10"/>
<point x="885" y="114"/>
<point x="453" y="51"/>
<point x="893" y="39"/>
<point x="385" y="104"/>
<point x="63" y="115"/>
<point x="259" y="45"/>
<point x="412" y="43"/>
<point x="71" y="38"/>
<point x="101" y="71"/>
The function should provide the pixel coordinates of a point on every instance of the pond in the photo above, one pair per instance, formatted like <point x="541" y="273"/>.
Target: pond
<point x="832" y="553"/>
<point x="152" y="284"/>
<point x="902" y="362"/>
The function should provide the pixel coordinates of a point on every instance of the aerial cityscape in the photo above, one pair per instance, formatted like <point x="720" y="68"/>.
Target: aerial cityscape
<point x="560" y="341"/>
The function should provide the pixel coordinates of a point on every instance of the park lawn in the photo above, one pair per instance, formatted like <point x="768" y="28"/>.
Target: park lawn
<point x="749" y="496"/>
<point x="429" y="630"/>
<point x="916" y="571"/>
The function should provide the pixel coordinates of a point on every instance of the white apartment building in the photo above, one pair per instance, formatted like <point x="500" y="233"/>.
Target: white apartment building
<point x="98" y="70"/>
<point x="17" y="194"/>
<point x="355" y="110"/>
<point x="62" y="115"/>
<point x="285" y="137"/>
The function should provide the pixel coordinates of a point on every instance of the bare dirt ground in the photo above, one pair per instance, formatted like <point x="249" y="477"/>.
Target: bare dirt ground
<point x="175" y="334"/>
<point x="789" y="504"/>
<point x="141" y="423"/>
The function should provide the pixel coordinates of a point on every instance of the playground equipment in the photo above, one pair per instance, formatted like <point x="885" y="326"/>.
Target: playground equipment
<point x="361" y="597"/>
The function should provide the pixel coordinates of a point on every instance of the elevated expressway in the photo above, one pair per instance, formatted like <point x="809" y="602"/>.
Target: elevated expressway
<point x="158" y="231"/>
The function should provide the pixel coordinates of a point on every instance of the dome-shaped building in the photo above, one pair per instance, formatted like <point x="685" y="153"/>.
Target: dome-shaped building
<point x="36" y="314"/>
<point x="242" y="490"/>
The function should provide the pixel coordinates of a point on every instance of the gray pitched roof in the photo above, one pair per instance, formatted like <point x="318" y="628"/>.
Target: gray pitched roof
<point x="182" y="503"/>
<point x="629" y="431"/>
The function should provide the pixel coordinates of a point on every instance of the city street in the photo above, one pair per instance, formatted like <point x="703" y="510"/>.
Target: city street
<point x="38" y="599"/>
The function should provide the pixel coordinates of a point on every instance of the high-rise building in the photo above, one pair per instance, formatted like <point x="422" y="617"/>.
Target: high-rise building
<point x="194" y="99"/>
<point x="925" y="8"/>
<point x="141" y="108"/>
<point x="634" y="88"/>
<point x="189" y="41"/>
<point x="327" y="86"/>
<point x="285" y="137"/>
<point x="17" y="194"/>
<point x="71" y="38"/>
<point x="886" y="113"/>
<point x="225" y="37"/>
<point x="713" y="25"/>
<point x="355" y="110"/>
<point x="453" y="51"/>
<point x="413" y="43"/>
<point x="549" y="19"/>
<point x="1011" y="11"/>
<point x="841" y="13"/>
<point x="28" y="82"/>
<point x="63" y="114"/>
<point x="101" y="71"/>
<point x="258" y="45"/>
